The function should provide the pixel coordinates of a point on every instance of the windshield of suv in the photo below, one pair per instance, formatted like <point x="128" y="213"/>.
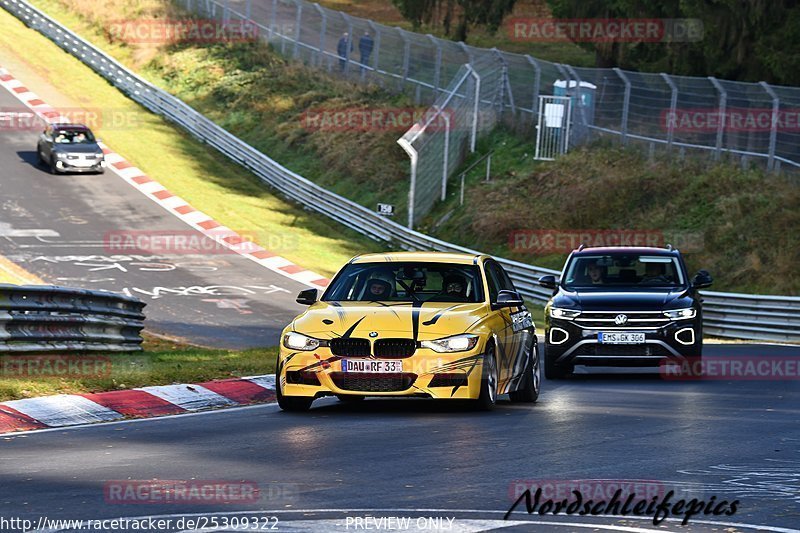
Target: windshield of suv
<point x="623" y="270"/>
<point x="73" y="137"/>
<point x="407" y="282"/>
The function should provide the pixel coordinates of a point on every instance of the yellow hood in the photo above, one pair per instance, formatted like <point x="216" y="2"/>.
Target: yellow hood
<point x="325" y="320"/>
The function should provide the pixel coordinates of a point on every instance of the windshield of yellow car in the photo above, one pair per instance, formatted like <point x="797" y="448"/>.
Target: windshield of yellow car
<point x="407" y="282"/>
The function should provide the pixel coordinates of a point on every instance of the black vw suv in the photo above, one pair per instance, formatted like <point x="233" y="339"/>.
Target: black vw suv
<point x="622" y="306"/>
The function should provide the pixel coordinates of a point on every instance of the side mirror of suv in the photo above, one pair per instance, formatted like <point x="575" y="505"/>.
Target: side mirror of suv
<point x="307" y="297"/>
<point x="701" y="280"/>
<point x="508" y="299"/>
<point x="548" y="282"/>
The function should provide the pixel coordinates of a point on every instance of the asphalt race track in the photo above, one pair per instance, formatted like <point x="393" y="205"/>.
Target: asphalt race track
<point x="61" y="228"/>
<point x="439" y="465"/>
<point x="729" y="439"/>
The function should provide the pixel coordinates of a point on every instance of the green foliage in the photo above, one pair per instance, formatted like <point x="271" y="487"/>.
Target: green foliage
<point x="465" y="14"/>
<point x="746" y="40"/>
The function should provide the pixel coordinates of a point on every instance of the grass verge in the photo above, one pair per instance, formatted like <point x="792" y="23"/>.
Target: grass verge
<point x="741" y="223"/>
<point x="161" y="363"/>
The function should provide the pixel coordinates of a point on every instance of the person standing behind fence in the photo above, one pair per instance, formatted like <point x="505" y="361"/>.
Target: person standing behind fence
<point x="342" y="49"/>
<point x="365" y="46"/>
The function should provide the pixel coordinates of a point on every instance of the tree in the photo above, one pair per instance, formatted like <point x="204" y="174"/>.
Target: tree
<point x="746" y="40"/>
<point x="464" y="13"/>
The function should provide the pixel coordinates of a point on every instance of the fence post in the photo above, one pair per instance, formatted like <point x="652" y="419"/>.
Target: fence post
<point x="349" y="44"/>
<point x="406" y="55"/>
<point x="297" y="25"/>
<point x="578" y="88"/>
<point x="477" y="97"/>
<point x="437" y="68"/>
<point x="536" y="81"/>
<point x="377" y="48"/>
<point x="412" y="153"/>
<point x="248" y="10"/>
<point x="226" y="11"/>
<point x="581" y="110"/>
<point x="446" y="158"/>
<point x="626" y="102"/>
<point x="505" y="88"/>
<point x="673" y="107"/>
<point x="273" y="18"/>
<point x="773" y="131"/>
<point x="723" y="104"/>
<point x="322" y="33"/>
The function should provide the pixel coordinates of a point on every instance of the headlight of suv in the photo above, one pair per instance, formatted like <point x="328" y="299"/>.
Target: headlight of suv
<point x="679" y="314"/>
<point x="567" y="314"/>
<point x="457" y="343"/>
<point x="298" y="341"/>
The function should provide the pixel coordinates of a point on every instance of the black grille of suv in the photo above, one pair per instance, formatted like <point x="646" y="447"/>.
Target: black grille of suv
<point x="394" y="348"/>
<point x="622" y="350"/>
<point x="635" y="319"/>
<point x="350" y="347"/>
<point x="373" y="382"/>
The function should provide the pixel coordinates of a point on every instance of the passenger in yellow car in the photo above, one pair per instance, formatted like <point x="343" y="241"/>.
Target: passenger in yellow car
<point x="454" y="289"/>
<point x="378" y="290"/>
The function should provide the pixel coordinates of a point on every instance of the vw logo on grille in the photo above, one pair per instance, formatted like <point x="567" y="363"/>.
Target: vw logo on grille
<point x="373" y="334"/>
<point x="620" y="320"/>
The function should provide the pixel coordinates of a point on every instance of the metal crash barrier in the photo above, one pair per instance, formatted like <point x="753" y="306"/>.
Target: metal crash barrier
<point x="37" y="318"/>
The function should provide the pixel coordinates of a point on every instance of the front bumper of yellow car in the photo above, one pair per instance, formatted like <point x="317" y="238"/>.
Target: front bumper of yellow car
<point x="453" y="375"/>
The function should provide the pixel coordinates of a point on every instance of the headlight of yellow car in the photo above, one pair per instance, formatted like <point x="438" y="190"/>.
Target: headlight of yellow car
<point x="457" y="343"/>
<point x="298" y="341"/>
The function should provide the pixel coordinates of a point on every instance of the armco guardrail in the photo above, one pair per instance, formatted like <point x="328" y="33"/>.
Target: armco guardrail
<point x="752" y="316"/>
<point x="38" y="318"/>
<point x="719" y="307"/>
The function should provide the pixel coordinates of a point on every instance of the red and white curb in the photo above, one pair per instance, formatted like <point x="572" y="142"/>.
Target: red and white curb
<point x="172" y="203"/>
<point x="147" y="402"/>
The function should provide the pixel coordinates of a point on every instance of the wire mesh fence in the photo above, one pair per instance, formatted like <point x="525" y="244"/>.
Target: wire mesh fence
<point x="753" y="123"/>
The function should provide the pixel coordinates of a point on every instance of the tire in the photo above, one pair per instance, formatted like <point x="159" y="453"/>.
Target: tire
<point x="39" y="158"/>
<point x="531" y="381"/>
<point x="292" y="403"/>
<point x="555" y="371"/>
<point x="488" y="395"/>
<point x="349" y="398"/>
<point x="53" y="169"/>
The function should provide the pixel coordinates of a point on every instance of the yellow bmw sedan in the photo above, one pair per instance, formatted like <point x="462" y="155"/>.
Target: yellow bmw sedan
<point x="425" y="324"/>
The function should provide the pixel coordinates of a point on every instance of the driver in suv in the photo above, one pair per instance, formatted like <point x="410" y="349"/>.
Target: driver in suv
<point x="622" y="306"/>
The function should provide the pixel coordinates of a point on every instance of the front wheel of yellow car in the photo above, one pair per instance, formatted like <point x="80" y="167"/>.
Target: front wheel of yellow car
<point x="531" y="380"/>
<point x="292" y="403"/>
<point x="488" y="395"/>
